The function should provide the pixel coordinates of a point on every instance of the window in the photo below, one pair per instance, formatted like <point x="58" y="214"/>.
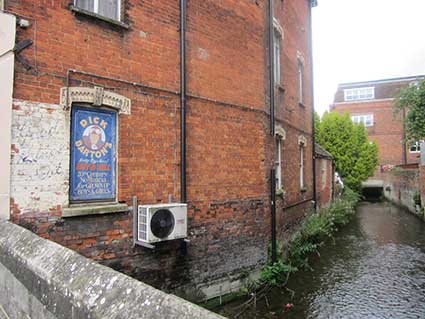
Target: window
<point x="302" y="185"/>
<point x="276" y="57"/>
<point x="416" y="147"/>
<point x="367" y="119"/>
<point x="278" y="162"/>
<point x="300" y="82"/>
<point x="324" y="172"/>
<point x="359" y="94"/>
<point x="107" y="8"/>
<point x="93" y="155"/>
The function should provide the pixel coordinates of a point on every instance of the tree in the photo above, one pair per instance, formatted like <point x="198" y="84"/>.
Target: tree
<point x="411" y="101"/>
<point x="356" y="158"/>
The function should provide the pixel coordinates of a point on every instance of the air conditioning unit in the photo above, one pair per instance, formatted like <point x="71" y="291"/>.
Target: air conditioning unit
<point x="161" y="222"/>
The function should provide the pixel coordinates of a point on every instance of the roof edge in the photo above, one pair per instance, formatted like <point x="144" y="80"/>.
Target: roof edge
<point x="389" y="80"/>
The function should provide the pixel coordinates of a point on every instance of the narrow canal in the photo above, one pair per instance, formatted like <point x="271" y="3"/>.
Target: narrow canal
<point x="374" y="268"/>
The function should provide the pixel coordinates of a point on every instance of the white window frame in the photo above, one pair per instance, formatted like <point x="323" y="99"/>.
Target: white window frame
<point x="324" y="172"/>
<point x="356" y="94"/>
<point x="300" y="82"/>
<point x="366" y="119"/>
<point x="276" y="56"/>
<point x="302" y="184"/>
<point x="416" y="147"/>
<point x="278" y="162"/>
<point x="96" y="9"/>
<point x="302" y="142"/>
<point x="277" y="39"/>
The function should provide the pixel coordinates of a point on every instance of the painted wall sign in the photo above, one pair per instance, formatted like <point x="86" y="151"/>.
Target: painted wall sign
<point x="93" y="154"/>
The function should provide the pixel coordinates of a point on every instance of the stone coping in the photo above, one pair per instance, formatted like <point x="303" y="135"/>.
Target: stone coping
<point x="70" y="286"/>
<point x="86" y="210"/>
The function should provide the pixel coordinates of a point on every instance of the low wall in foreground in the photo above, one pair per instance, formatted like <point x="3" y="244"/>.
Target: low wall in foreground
<point x="41" y="279"/>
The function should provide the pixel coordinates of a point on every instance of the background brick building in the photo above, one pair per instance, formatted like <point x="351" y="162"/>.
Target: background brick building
<point x="372" y="103"/>
<point x="131" y="53"/>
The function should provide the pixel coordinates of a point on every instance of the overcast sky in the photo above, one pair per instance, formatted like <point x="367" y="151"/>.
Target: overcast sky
<point x="362" y="40"/>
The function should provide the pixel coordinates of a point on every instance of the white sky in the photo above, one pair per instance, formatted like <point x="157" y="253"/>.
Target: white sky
<point x="362" y="40"/>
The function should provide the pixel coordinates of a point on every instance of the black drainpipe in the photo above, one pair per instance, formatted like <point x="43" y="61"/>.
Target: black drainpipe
<point x="183" y="194"/>
<point x="404" y="138"/>
<point x="272" y="130"/>
<point x="312" y="108"/>
<point x="271" y="73"/>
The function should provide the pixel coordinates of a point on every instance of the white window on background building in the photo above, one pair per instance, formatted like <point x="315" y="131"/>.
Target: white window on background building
<point x="107" y="8"/>
<point x="416" y="147"/>
<point x="366" y="119"/>
<point x="367" y="93"/>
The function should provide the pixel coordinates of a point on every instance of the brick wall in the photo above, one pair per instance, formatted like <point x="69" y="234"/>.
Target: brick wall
<point x="295" y="119"/>
<point x="324" y="182"/>
<point x="230" y="152"/>
<point x="400" y="186"/>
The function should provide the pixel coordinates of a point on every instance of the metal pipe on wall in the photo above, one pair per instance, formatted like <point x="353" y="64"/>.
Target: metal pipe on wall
<point x="273" y="213"/>
<point x="272" y="129"/>
<point x="271" y="65"/>
<point x="313" y="156"/>
<point x="404" y="153"/>
<point x="183" y="194"/>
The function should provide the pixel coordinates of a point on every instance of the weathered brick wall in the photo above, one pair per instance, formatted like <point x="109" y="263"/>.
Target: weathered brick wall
<point x="400" y="186"/>
<point x="40" y="157"/>
<point x="324" y="182"/>
<point x="230" y="152"/>
<point x="294" y="118"/>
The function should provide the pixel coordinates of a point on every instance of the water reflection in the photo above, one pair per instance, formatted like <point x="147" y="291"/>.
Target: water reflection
<point x="375" y="268"/>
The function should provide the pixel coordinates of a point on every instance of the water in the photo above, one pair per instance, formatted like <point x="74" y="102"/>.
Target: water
<point x="374" y="268"/>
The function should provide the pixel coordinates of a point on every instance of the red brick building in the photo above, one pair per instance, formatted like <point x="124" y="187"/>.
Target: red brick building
<point x="192" y="127"/>
<point x="372" y="103"/>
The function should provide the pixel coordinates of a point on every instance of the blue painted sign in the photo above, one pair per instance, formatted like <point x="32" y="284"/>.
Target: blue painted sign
<point x="93" y="154"/>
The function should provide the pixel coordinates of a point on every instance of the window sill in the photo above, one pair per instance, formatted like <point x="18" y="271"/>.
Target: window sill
<point x="280" y="193"/>
<point x="280" y="87"/>
<point x="99" y="209"/>
<point x="100" y="17"/>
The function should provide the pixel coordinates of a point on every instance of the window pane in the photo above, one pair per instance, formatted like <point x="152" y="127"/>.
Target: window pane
<point x="85" y="4"/>
<point x="109" y="8"/>
<point x="359" y="94"/>
<point x="276" y="59"/>
<point x="278" y="163"/>
<point x="300" y="83"/>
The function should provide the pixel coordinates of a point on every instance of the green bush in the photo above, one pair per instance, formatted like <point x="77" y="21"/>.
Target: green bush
<point x="417" y="198"/>
<point x="314" y="231"/>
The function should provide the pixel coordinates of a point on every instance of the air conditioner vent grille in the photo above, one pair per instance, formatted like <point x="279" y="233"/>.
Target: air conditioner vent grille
<point x="143" y="224"/>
